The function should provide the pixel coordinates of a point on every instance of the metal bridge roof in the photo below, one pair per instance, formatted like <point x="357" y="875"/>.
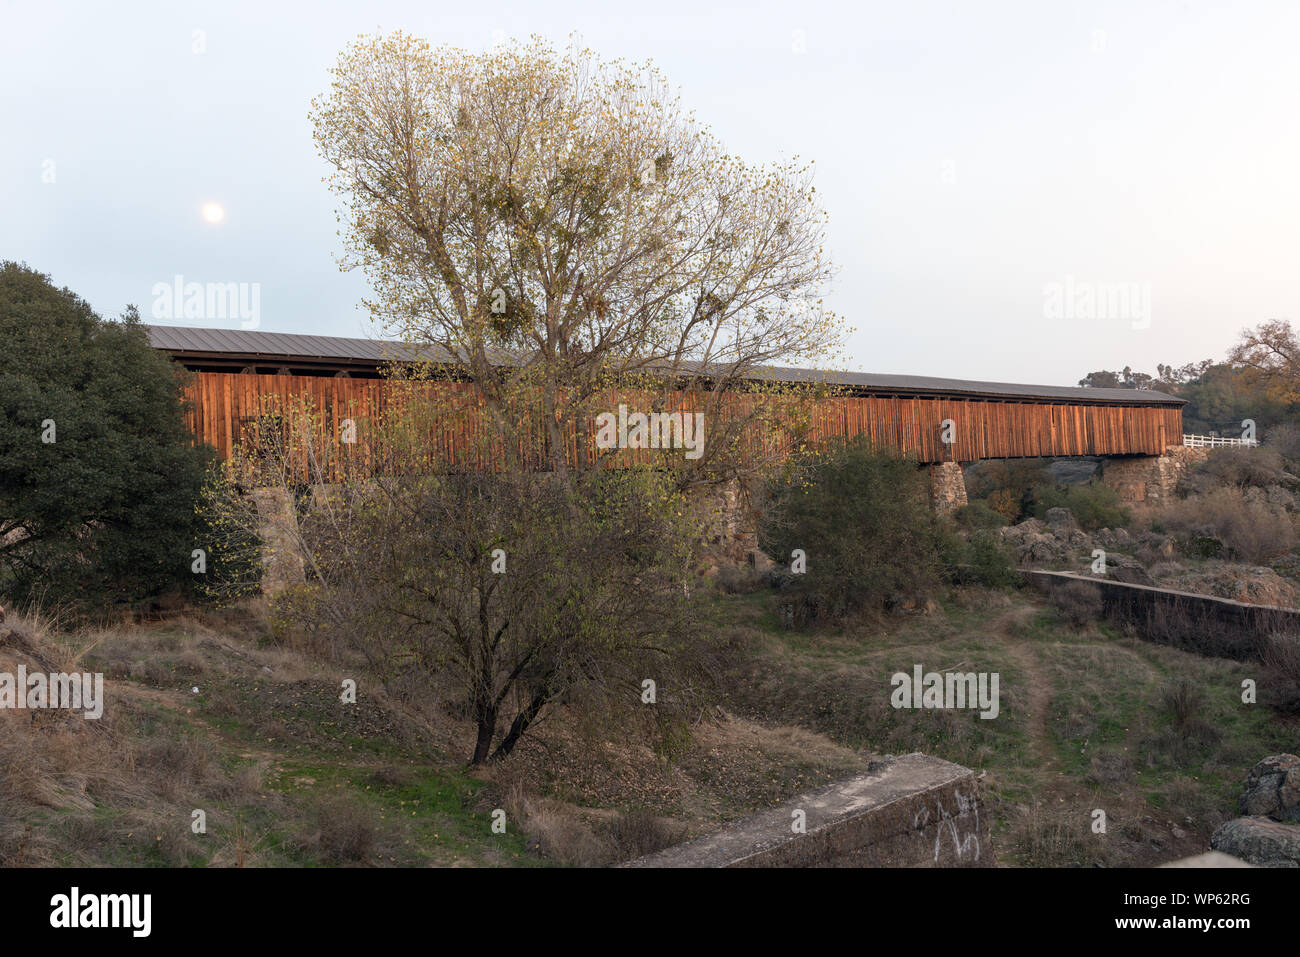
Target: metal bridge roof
<point x="187" y="342"/>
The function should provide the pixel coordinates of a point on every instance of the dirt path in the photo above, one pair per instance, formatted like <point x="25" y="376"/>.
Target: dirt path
<point x="1039" y="686"/>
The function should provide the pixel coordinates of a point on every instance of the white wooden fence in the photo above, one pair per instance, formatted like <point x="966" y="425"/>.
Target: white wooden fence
<point x="1215" y="441"/>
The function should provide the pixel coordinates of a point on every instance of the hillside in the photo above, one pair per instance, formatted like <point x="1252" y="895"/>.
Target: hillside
<point x="207" y="712"/>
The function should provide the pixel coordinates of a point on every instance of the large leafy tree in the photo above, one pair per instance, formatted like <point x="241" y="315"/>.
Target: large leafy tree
<point x="1269" y="356"/>
<point x="98" y="475"/>
<point x="558" y="226"/>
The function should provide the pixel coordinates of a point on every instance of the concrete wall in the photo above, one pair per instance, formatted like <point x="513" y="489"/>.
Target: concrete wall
<point x="1218" y="627"/>
<point x="909" y="811"/>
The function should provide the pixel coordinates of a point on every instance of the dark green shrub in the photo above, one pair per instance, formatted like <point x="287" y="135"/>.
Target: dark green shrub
<point x="979" y="515"/>
<point x="1095" y="505"/>
<point x="862" y="518"/>
<point x="234" y="550"/>
<point x="981" y="559"/>
<point x="99" y="476"/>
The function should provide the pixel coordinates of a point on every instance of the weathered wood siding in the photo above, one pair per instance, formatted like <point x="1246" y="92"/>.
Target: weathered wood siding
<point x="224" y="405"/>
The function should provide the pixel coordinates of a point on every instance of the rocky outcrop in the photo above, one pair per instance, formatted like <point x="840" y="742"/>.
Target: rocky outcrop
<point x="1270" y="802"/>
<point x="1039" y="543"/>
<point x="1060" y="520"/>
<point x="1273" y="789"/>
<point x="1253" y="584"/>
<point x="1274" y="495"/>
<point x="1132" y="574"/>
<point x="1056" y="541"/>
<point x="1260" y="841"/>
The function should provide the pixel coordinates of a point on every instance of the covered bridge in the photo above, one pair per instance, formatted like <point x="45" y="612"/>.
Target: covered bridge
<point x="238" y="372"/>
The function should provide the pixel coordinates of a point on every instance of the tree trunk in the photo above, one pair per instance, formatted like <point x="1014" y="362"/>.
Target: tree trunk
<point x="487" y="725"/>
<point x="517" y="727"/>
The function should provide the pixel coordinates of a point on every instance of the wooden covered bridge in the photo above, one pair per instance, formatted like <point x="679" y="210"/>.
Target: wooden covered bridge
<point x="240" y="373"/>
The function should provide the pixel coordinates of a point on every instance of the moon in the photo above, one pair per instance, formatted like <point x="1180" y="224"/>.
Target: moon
<point x="213" y="212"/>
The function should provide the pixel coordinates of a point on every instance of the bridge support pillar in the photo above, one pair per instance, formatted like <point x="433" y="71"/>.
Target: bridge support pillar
<point x="947" y="487"/>
<point x="282" y="563"/>
<point x="1149" y="479"/>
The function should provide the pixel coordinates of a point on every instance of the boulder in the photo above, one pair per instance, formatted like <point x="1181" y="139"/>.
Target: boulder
<point x="1131" y="574"/>
<point x="1030" y="526"/>
<point x="1273" y="789"/>
<point x="1035" y="543"/>
<point x="1045" y="550"/>
<point x="1161" y="545"/>
<point x="1113" y="538"/>
<point x="1258" y="585"/>
<point x="1260" y="841"/>
<point x="1061" y="519"/>
<point x="1277" y="495"/>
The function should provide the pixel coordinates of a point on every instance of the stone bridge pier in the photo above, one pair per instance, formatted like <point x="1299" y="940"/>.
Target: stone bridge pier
<point x="1149" y="479"/>
<point x="947" y="487"/>
<point x="1139" y="479"/>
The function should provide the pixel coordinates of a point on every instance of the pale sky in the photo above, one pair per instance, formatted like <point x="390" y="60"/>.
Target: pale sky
<point x="970" y="154"/>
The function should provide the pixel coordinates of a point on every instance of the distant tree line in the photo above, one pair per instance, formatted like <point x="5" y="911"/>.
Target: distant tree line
<point x="1259" y="380"/>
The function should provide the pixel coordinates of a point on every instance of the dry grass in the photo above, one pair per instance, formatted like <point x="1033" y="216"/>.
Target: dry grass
<point x="555" y="830"/>
<point x="122" y="789"/>
<point x="1281" y="658"/>
<point x="1223" y="521"/>
<point x="638" y="833"/>
<point x="344" y="832"/>
<point x="1078" y="603"/>
<point x="1043" y="836"/>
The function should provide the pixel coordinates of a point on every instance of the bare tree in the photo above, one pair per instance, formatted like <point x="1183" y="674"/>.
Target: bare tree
<point x="558" y="226"/>
<point x="510" y="592"/>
